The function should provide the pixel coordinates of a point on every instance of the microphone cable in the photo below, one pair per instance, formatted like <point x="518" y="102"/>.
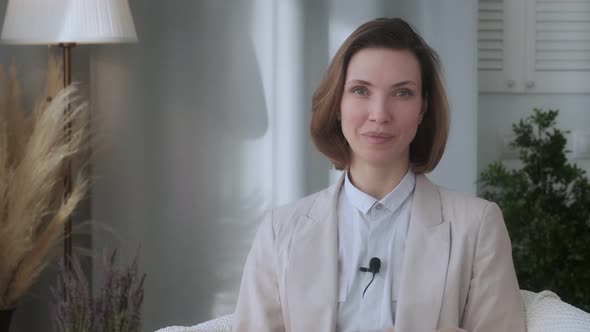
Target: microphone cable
<point x="369" y="284"/>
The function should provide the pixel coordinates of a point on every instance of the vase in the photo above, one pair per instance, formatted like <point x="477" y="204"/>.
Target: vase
<point x="5" y="317"/>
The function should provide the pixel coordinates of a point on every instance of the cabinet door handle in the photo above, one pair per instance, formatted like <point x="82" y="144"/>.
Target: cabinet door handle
<point x="530" y="84"/>
<point x="510" y="83"/>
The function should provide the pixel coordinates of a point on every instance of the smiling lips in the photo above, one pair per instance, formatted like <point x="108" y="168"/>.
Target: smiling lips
<point x="377" y="137"/>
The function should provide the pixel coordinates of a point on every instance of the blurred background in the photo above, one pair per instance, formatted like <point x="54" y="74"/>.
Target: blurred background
<point x="203" y="126"/>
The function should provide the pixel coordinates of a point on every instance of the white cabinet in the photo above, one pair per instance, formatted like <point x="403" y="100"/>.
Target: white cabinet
<point x="534" y="46"/>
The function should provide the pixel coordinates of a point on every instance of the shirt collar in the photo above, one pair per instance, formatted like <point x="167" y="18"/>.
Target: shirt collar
<point x="392" y="201"/>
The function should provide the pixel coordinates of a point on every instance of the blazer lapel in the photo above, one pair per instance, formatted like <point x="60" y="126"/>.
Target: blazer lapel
<point x="312" y="272"/>
<point x="425" y="262"/>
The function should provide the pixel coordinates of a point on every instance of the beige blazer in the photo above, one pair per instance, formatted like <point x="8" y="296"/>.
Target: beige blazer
<point x="457" y="269"/>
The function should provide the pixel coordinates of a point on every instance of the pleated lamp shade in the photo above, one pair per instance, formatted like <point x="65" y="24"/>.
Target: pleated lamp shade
<point x="31" y="22"/>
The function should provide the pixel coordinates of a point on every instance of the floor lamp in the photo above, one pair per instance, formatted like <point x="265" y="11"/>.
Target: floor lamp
<point x="68" y="23"/>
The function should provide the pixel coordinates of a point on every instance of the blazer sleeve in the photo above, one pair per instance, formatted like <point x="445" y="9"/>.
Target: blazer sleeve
<point x="259" y="307"/>
<point x="494" y="302"/>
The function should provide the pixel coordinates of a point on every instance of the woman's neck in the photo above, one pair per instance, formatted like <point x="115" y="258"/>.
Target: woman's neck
<point x="377" y="181"/>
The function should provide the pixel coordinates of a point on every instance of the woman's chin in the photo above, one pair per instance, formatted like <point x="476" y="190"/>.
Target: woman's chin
<point x="383" y="160"/>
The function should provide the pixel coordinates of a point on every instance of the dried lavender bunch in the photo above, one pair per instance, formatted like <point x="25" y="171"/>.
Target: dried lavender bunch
<point x="116" y="308"/>
<point x="76" y="313"/>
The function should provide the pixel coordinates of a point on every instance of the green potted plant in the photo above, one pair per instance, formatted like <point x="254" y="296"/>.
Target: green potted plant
<point x="546" y="206"/>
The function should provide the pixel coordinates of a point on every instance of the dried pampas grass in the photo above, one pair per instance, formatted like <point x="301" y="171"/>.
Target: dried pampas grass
<point x="33" y="158"/>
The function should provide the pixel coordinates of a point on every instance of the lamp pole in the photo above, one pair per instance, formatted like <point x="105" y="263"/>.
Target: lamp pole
<point x="67" y="80"/>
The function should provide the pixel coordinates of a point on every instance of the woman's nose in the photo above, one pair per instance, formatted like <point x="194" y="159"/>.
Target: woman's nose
<point x="379" y="111"/>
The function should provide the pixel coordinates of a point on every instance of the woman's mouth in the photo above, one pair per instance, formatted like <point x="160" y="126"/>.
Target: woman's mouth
<point x="377" y="137"/>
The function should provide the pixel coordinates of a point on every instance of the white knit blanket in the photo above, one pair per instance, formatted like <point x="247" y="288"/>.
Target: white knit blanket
<point x="545" y="312"/>
<point x="221" y="324"/>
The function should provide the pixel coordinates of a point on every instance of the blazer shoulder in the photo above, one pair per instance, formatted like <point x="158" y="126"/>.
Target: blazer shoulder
<point x="299" y="207"/>
<point x="464" y="208"/>
<point x="451" y="197"/>
<point x="286" y="216"/>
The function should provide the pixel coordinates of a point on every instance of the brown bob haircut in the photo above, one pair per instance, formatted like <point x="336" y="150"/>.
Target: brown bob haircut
<point x="428" y="146"/>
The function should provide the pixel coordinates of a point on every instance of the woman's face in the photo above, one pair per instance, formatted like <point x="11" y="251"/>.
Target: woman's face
<point x="381" y="106"/>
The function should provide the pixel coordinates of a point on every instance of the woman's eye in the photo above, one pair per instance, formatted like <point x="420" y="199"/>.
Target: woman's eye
<point x="403" y="93"/>
<point x="359" y="91"/>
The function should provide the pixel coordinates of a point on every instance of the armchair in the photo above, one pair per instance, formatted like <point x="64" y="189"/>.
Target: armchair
<point x="545" y="312"/>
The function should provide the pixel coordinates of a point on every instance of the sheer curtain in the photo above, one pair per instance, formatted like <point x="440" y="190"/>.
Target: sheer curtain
<point x="204" y="127"/>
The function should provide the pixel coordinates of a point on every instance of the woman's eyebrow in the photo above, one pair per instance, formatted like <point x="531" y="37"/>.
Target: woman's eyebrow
<point x="396" y="85"/>
<point x="367" y="83"/>
<point x="361" y="82"/>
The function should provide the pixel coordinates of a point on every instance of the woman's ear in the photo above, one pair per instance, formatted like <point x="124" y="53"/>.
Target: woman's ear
<point x="424" y="105"/>
<point x="424" y="109"/>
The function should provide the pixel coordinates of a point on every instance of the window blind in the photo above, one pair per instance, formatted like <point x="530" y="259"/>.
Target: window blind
<point x="490" y="34"/>
<point x="562" y="35"/>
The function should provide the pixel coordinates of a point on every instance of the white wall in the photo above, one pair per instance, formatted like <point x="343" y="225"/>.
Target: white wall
<point x="450" y="27"/>
<point x="497" y="113"/>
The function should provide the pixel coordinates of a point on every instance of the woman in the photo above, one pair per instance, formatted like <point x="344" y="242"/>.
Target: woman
<point x="380" y="113"/>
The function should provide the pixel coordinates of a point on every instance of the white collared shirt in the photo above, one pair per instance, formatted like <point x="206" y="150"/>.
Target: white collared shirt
<point x="371" y="228"/>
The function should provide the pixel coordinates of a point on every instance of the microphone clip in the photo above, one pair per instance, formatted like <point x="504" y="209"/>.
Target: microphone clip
<point x="374" y="267"/>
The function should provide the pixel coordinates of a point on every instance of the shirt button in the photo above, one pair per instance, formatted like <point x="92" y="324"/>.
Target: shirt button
<point x="378" y="206"/>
